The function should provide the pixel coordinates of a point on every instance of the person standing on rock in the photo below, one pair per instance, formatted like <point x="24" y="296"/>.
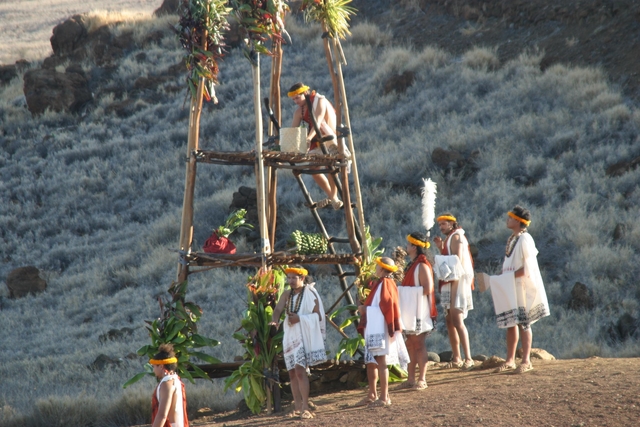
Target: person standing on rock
<point x="456" y="294"/>
<point x="418" y="308"/>
<point x="518" y="293"/>
<point x="304" y="335"/>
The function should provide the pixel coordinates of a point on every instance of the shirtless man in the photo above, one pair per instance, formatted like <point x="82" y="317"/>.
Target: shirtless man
<point x="456" y="295"/>
<point x="325" y="116"/>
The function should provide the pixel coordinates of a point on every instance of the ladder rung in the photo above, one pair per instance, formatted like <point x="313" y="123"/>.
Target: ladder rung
<point x="339" y="240"/>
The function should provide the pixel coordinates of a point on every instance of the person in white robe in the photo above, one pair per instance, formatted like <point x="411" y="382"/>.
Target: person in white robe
<point x="456" y="297"/>
<point x="518" y="293"/>
<point x="304" y="335"/>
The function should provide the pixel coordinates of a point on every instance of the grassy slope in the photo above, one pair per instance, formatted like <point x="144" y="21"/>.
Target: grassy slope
<point x="95" y="201"/>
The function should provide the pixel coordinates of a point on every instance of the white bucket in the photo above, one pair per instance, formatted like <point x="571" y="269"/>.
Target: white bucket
<point x="293" y="140"/>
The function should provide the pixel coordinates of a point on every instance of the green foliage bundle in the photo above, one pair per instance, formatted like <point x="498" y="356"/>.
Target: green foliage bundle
<point x="308" y="243"/>
<point x="233" y="222"/>
<point x="334" y="15"/>
<point x="261" y="346"/>
<point x="368" y="265"/>
<point x="348" y="346"/>
<point x="177" y="326"/>
<point x="201" y="32"/>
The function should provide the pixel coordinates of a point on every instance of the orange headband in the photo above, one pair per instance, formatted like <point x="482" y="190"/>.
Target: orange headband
<point x="417" y="242"/>
<point x="168" y="361"/>
<point x="298" y="271"/>
<point x="517" y="218"/>
<point x="391" y="268"/>
<point x="298" y="91"/>
<point x="446" y="218"/>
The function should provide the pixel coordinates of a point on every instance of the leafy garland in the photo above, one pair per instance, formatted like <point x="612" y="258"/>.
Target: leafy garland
<point x="177" y="326"/>
<point x="260" y="21"/>
<point x="333" y="14"/>
<point x="260" y="342"/>
<point x="203" y="22"/>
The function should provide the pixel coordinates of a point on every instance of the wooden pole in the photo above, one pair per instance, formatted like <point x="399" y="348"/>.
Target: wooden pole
<point x="186" y="225"/>
<point x="265" y="246"/>
<point x="354" y="163"/>
<point x="334" y="80"/>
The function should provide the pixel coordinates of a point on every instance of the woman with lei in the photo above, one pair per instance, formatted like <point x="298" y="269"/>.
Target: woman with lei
<point x="304" y="335"/>
<point x="518" y="293"/>
<point x="169" y="401"/>
<point x="418" y="308"/>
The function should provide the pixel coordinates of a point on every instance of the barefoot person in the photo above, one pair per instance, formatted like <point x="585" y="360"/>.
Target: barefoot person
<point x="456" y="294"/>
<point x="304" y="335"/>
<point x="418" y="308"/>
<point x="518" y="294"/>
<point x="325" y="116"/>
<point x="169" y="402"/>
<point x="380" y="327"/>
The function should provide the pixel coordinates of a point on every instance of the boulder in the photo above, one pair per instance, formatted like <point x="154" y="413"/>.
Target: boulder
<point x="47" y="89"/>
<point x="68" y="36"/>
<point x="492" y="362"/>
<point x="619" y="232"/>
<point x="445" y="356"/>
<point x="115" y="335"/>
<point x="168" y="7"/>
<point x="433" y="357"/>
<point x="10" y="72"/>
<point x="581" y="298"/>
<point x="25" y="280"/>
<point x="537" y="353"/>
<point x="399" y="83"/>
<point x="444" y="158"/>
<point x="102" y="362"/>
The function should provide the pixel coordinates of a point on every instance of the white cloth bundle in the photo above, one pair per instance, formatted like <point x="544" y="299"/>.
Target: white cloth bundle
<point x="415" y="310"/>
<point x="448" y="268"/>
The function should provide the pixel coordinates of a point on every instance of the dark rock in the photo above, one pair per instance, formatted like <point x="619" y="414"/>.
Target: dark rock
<point x="115" y="334"/>
<point x="623" y="167"/>
<point x="619" y="232"/>
<point x="102" y="362"/>
<point x="123" y="108"/>
<point x="8" y="73"/>
<point x="433" y="357"/>
<point x="626" y="326"/>
<point x="102" y="47"/>
<point x="75" y="68"/>
<point x="149" y="83"/>
<point x="400" y="82"/>
<point x="25" y="280"/>
<point x="444" y="158"/>
<point x="581" y="298"/>
<point x="480" y="357"/>
<point x="446" y="356"/>
<point x="47" y="89"/>
<point x="68" y="36"/>
<point x="168" y="7"/>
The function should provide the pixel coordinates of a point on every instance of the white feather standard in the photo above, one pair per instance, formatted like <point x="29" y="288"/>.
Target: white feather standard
<point x="429" y="204"/>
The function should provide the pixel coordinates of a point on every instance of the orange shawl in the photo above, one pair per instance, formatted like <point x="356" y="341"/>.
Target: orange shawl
<point x="389" y="305"/>
<point x="408" y="281"/>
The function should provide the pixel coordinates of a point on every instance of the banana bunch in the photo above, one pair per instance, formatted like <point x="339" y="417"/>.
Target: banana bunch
<point x="308" y="243"/>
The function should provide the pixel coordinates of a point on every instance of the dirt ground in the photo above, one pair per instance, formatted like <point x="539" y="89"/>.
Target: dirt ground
<point x="571" y="393"/>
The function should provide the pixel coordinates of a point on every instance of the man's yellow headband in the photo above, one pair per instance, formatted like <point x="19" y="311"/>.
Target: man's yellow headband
<point x="298" y="271"/>
<point x="526" y="222"/>
<point x="168" y="361"/>
<point x="298" y="91"/>
<point x="391" y="268"/>
<point x="446" y="218"/>
<point x="417" y="242"/>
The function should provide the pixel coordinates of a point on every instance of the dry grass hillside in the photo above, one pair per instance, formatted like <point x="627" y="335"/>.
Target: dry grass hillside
<point x="499" y="103"/>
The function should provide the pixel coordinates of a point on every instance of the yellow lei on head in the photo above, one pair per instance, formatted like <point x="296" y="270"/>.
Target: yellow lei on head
<point x="168" y="361"/>
<point x="392" y="268"/>
<point x="446" y="218"/>
<point x="298" y="91"/>
<point x="417" y="242"/>
<point x="519" y="219"/>
<point x="298" y="271"/>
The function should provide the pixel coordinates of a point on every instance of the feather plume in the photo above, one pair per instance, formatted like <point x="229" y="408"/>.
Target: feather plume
<point x="429" y="204"/>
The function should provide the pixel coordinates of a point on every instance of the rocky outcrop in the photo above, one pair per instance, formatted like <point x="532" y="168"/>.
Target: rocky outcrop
<point x="581" y="298"/>
<point x="24" y="281"/>
<point x="168" y="7"/>
<point x="399" y="83"/>
<point x="48" y="89"/>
